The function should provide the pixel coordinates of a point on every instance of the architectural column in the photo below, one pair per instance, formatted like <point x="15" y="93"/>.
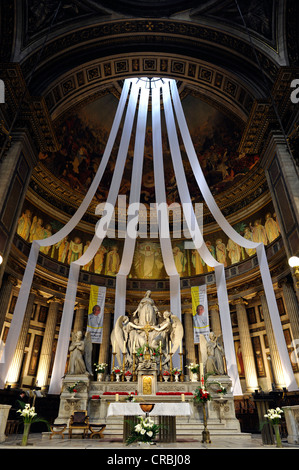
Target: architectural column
<point x="282" y="177"/>
<point x="275" y="365"/>
<point x="189" y="336"/>
<point x="15" y="172"/>
<point x="79" y="317"/>
<point x="246" y="347"/>
<point x="105" y="345"/>
<point x="5" y="295"/>
<point x="215" y="320"/>
<point x="47" y="346"/>
<point x="16" y="364"/>
<point x="292" y="307"/>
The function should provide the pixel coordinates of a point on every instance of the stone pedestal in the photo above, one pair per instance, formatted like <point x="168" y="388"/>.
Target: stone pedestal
<point x="292" y="419"/>
<point x="4" y="411"/>
<point x="70" y="402"/>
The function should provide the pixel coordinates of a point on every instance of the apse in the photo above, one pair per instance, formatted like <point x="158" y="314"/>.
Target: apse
<point x="141" y="101"/>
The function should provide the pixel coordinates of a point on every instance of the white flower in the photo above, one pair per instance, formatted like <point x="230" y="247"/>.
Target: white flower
<point x="138" y="427"/>
<point x="143" y="431"/>
<point x="149" y="433"/>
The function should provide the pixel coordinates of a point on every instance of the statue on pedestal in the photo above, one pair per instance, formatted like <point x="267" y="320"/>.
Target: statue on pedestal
<point x="80" y="354"/>
<point x="146" y="332"/>
<point x="212" y="354"/>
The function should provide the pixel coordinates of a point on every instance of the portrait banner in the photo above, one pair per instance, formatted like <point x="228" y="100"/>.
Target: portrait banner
<point x="200" y="312"/>
<point x="96" y="313"/>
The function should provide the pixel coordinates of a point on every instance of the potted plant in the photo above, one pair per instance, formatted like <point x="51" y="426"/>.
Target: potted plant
<point x="100" y="369"/>
<point x="117" y="371"/>
<point x="166" y="375"/>
<point x="273" y="416"/>
<point x="145" y="431"/>
<point x="29" y="416"/>
<point x="128" y="375"/>
<point x="194" y="368"/>
<point x="73" y="389"/>
<point x="176" y="372"/>
<point x="202" y="396"/>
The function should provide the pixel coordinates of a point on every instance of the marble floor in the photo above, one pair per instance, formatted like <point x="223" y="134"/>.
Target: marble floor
<point x="42" y="441"/>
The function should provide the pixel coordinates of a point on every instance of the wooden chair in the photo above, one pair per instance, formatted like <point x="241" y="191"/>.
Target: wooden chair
<point x="97" y="430"/>
<point x="79" y="421"/>
<point x="57" y="429"/>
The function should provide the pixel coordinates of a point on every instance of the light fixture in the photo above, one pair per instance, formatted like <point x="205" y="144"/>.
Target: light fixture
<point x="294" y="262"/>
<point x="1" y="259"/>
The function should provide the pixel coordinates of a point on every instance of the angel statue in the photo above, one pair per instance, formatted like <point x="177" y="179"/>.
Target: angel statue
<point x="212" y="354"/>
<point x="80" y="354"/>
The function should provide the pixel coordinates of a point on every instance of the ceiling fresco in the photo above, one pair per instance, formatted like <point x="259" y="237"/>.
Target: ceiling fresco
<point x="83" y="135"/>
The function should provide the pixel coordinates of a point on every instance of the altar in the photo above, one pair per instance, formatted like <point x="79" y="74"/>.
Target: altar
<point x="165" y="412"/>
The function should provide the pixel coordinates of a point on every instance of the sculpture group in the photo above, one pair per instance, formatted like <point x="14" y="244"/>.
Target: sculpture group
<point x="149" y="331"/>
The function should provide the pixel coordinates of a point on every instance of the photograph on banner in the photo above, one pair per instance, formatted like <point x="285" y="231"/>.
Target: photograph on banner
<point x="200" y="312"/>
<point x="96" y="313"/>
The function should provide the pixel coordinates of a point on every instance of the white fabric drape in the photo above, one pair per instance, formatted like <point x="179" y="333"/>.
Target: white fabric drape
<point x="132" y="221"/>
<point x="162" y="209"/>
<point x="199" y="241"/>
<point x="237" y="238"/>
<point x="19" y="311"/>
<point x="101" y="231"/>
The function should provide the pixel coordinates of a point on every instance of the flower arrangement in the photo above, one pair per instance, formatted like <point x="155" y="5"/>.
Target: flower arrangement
<point x="116" y="370"/>
<point x="128" y="373"/>
<point x="29" y="416"/>
<point x="131" y="397"/>
<point x="221" y="390"/>
<point x="274" y="415"/>
<point x="193" y="367"/>
<point x="145" y="431"/>
<point x="176" y="371"/>
<point x="73" y="388"/>
<point x="95" y="397"/>
<point x="166" y="373"/>
<point x="100" y="368"/>
<point x="201" y="395"/>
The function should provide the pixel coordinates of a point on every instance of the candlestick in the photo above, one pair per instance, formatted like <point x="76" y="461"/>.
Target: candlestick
<point x="170" y="364"/>
<point x="134" y="378"/>
<point x="182" y="376"/>
<point x="113" y="364"/>
<point x="124" y="363"/>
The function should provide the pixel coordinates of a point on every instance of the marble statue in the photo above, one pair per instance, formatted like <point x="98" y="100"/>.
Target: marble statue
<point x="212" y="355"/>
<point x="80" y="354"/>
<point x="148" y="328"/>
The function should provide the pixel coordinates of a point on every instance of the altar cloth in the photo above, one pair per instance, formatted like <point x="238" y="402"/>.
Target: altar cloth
<point x="160" y="409"/>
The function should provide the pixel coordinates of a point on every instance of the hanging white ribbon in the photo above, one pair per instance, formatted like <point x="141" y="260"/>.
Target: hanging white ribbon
<point x="134" y="200"/>
<point x="199" y="241"/>
<point x="100" y="233"/>
<point x="20" y="307"/>
<point x="290" y="380"/>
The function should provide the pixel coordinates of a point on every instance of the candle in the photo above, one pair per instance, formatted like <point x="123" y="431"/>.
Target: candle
<point x="113" y="346"/>
<point x="116" y="397"/>
<point x="201" y="369"/>
<point x="134" y="347"/>
<point x="170" y="346"/>
<point x="124" y="346"/>
<point x="183" y="397"/>
<point x="160" y="347"/>
<point x="181" y="347"/>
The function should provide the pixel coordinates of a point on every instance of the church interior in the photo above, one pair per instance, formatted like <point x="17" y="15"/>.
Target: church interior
<point x="235" y="66"/>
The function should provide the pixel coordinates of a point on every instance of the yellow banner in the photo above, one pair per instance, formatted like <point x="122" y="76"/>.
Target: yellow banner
<point x="96" y="313"/>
